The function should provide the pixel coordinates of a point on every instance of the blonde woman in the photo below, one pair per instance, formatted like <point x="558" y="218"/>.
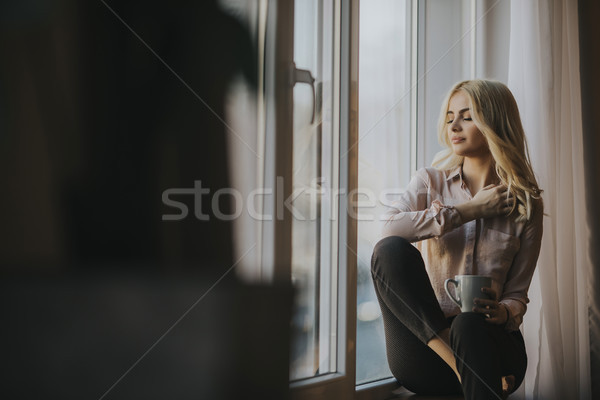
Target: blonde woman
<point x="478" y="212"/>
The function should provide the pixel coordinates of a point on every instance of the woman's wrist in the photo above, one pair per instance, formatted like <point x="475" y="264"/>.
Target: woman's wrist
<point x="507" y="312"/>
<point x="467" y="211"/>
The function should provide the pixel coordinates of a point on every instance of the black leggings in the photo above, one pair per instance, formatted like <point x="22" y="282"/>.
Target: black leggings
<point x="412" y="316"/>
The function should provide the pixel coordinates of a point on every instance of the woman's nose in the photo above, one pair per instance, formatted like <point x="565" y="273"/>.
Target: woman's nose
<point x="455" y="126"/>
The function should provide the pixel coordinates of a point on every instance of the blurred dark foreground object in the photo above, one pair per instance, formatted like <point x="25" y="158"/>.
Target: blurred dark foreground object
<point x="74" y="338"/>
<point x="95" y="128"/>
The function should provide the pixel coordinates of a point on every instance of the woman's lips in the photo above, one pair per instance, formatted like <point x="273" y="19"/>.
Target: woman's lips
<point x="457" y="139"/>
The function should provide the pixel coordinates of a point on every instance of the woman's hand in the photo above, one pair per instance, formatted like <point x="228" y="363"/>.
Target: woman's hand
<point x="489" y="202"/>
<point x="493" y="200"/>
<point x="495" y="312"/>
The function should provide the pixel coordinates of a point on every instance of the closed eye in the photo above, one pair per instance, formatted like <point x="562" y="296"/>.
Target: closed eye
<point x="464" y="119"/>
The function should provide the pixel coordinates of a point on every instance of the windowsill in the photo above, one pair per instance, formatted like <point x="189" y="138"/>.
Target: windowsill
<point x="378" y="390"/>
<point x="390" y="389"/>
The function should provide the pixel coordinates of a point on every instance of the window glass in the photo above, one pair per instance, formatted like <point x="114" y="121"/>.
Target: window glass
<point x="314" y="262"/>
<point x="384" y="156"/>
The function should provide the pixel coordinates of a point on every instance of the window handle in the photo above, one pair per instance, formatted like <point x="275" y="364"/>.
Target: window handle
<point x="305" y="76"/>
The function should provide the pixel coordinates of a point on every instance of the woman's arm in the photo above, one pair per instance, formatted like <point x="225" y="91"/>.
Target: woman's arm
<point x="416" y="217"/>
<point x="489" y="202"/>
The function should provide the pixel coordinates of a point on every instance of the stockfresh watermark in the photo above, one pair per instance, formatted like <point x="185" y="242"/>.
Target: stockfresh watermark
<point x="311" y="202"/>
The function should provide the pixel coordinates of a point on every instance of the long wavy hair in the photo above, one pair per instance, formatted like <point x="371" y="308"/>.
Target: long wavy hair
<point x="495" y="113"/>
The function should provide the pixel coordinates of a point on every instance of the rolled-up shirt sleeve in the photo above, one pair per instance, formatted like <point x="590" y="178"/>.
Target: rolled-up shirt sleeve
<point x="518" y="279"/>
<point x="418" y="215"/>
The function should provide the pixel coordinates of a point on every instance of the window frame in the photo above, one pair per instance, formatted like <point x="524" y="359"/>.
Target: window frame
<point x="341" y="384"/>
<point x="277" y="118"/>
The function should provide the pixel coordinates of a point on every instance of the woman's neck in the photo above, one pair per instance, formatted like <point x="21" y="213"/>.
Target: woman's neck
<point x="478" y="172"/>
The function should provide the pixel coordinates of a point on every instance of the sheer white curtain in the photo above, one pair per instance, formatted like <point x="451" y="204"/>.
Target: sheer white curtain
<point x="544" y="76"/>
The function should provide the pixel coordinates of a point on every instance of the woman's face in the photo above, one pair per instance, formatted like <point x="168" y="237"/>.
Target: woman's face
<point x="463" y="134"/>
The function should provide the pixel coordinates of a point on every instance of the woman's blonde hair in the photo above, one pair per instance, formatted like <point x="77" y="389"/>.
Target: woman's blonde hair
<point x="495" y="113"/>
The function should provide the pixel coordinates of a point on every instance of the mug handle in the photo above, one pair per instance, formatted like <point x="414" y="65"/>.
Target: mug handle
<point x="458" y="302"/>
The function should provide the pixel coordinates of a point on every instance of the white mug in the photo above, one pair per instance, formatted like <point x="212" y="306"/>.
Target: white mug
<point x="468" y="288"/>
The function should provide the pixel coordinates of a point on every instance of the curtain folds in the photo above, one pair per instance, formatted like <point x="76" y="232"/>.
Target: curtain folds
<point x="544" y="76"/>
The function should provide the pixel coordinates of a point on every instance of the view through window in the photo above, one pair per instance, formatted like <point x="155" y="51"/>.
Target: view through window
<point x="384" y="156"/>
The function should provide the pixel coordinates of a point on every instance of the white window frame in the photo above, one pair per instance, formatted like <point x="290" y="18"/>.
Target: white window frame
<point x="341" y="384"/>
<point x="276" y="237"/>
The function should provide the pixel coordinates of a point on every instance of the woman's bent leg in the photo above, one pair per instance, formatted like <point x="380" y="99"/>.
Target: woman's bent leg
<point x="411" y="316"/>
<point x="484" y="354"/>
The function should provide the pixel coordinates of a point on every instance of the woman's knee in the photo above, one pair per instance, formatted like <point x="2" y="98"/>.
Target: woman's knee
<point x="467" y="324"/>
<point x="392" y="253"/>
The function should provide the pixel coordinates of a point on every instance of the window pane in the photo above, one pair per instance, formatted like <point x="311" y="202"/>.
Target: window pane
<point x="314" y="263"/>
<point x="447" y="31"/>
<point x="384" y="156"/>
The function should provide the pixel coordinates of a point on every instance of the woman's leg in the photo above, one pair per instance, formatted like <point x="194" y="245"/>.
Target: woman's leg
<point x="411" y="316"/>
<point x="484" y="354"/>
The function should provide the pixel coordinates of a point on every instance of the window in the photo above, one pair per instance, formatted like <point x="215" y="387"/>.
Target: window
<point x="384" y="149"/>
<point x="314" y="186"/>
<point x="307" y="134"/>
<point x="337" y="148"/>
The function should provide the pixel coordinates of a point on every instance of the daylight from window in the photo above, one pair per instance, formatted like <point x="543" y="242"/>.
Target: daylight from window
<point x="384" y="157"/>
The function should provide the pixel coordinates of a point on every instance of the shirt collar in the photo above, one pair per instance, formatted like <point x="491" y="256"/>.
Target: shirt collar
<point x="456" y="172"/>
